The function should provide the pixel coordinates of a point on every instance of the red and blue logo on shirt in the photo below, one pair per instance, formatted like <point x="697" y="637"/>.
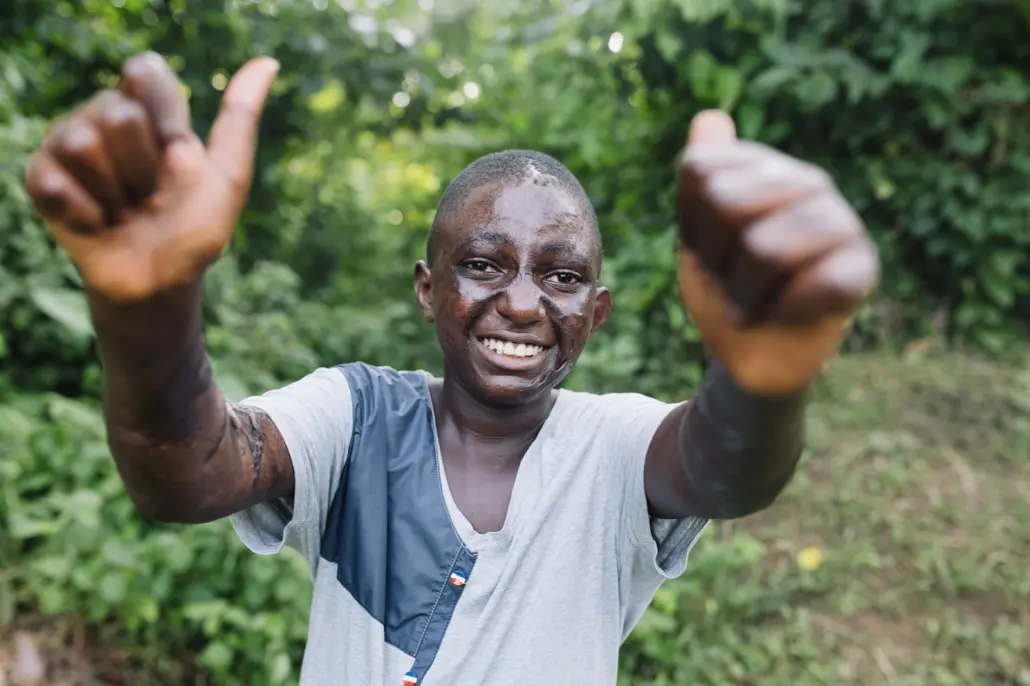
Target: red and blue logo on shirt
<point x="458" y="578"/>
<point x="410" y="679"/>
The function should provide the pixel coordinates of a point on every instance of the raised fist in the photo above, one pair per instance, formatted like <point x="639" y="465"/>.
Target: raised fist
<point x="774" y="259"/>
<point x="130" y="191"/>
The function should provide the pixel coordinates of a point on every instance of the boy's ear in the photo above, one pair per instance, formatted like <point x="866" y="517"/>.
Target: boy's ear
<point x="602" y="308"/>
<point x="424" y="290"/>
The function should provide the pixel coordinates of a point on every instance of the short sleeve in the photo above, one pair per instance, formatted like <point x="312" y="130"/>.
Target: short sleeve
<point x="315" y="417"/>
<point x="657" y="548"/>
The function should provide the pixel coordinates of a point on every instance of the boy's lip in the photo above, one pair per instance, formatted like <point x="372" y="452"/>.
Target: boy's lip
<point x="513" y="363"/>
<point x="514" y="338"/>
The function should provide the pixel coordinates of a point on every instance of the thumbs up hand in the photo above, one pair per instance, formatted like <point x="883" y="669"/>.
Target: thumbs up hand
<point x="130" y="191"/>
<point x="774" y="260"/>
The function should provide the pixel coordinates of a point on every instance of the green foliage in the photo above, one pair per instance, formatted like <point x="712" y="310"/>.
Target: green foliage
<point x="918" y="109"/>
<point x="72" y="542"/>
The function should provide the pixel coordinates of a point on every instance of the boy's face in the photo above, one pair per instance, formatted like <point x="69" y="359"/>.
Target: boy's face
<point x="513" y="290"/>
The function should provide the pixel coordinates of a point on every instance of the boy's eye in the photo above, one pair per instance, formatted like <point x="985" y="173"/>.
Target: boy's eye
<point x="564" y="278"/>
<point x="478" y="266"/>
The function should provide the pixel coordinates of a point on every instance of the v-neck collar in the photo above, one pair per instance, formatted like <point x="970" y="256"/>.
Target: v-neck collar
<point x="472" y="539"/>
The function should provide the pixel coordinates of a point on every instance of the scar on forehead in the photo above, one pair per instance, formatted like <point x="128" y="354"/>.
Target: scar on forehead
<point x="538" y="177"/>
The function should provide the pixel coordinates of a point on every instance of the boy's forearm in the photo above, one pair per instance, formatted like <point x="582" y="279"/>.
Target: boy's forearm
<point x="740" y="450"/>
<point x="165" y="417"/>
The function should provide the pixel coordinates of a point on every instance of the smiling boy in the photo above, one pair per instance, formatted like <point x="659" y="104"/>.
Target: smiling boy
<point x="486" y="526"/>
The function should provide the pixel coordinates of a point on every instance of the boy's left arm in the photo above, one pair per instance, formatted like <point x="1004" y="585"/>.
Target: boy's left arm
<point x="773" y="263"/>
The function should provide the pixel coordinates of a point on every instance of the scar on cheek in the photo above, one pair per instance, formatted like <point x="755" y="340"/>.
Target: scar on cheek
<point x="556" y="311"/>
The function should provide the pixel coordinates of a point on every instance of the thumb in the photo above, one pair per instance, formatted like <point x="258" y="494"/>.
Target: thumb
<point x="711" y="126"/>
<point x="233" y="136"/>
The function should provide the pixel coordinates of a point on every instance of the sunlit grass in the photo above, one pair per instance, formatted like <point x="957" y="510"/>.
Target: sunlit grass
<point x="899" y="555"/>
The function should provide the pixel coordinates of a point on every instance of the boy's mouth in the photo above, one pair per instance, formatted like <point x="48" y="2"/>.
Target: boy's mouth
<point x="511" y="357"/>
<point x="509" y="349"/>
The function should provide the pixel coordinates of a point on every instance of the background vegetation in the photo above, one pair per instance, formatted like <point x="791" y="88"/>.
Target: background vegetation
<point x="899" y="554"/>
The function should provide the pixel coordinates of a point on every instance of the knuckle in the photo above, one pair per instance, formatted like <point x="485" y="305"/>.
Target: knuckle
<point x="55" y="133"/>
<point x="763" y="244"/>
<point x="123" y="114"/>
<point x="817" y="176"/>
<point x="101" y="101"/>
<point x="79" y="140"/>
<point x="237" y="177"/>
<point x="869" y="257"/>
<point x="34" y="170"/>
<point x="42" y="184"/>
<point x="841" y="216"/>
<point x="137" y="66"/>
<point x="828" y="209"/>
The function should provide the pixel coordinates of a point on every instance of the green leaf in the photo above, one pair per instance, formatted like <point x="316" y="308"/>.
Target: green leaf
<point x="816" y="90"/>
<point x="232" y="387"/>
<point x="112" y="587"/>
<point x="65" y="306"/>
<point x="281" y="668"/>
<point x="669" y="44"/>
<point x="217" y="656"/>
<point x="750" y="117"/>
<point x="7" y="603"/>
<point x="21" y="526"/>
<point x="768" y="82"/>
<point x="119" y="553"/>
<point x="728" y="84"/>
<point x="908" y="62"/>
<point x="700" y="72"/>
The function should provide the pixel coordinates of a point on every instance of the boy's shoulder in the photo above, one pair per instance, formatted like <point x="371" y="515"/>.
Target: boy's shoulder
<point x="611" y="402"/>
<point x="614" y="419"/>
<point x="366" y="373"/>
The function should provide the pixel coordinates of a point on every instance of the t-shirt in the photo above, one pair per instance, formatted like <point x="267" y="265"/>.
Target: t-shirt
<point x="407" y="592"/>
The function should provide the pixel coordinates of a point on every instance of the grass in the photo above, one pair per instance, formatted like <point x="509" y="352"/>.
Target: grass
<point x="899" y="555"/>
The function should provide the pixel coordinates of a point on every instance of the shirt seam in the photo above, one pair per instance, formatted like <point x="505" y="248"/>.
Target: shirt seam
<point x="436" y="604"/>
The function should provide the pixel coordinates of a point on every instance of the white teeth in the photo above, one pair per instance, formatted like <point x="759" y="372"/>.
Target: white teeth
<point x="510" y="349"/>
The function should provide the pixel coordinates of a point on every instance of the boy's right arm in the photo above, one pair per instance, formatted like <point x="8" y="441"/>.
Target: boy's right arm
<point x="143" y="207"/>
<point x="184" y="454"/>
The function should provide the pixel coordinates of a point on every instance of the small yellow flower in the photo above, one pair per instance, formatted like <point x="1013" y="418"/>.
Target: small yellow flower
<point x="810" y="559"/>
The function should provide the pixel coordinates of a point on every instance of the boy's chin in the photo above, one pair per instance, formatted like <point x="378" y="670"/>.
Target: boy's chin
<point x="511" y="391"/>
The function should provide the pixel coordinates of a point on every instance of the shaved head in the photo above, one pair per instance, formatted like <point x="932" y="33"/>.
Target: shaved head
<point x="508" y="168"/>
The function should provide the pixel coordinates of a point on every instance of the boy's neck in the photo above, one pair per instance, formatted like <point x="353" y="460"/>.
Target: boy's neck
<point x="472" y="420"/>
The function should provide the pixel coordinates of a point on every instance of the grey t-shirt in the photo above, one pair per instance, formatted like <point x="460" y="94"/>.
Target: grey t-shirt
<point x="407" y="592"/>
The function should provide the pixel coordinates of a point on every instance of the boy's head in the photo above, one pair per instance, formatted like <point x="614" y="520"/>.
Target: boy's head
<point x="510" y="277"/>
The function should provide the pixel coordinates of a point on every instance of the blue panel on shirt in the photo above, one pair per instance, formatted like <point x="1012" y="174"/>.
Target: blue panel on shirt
<point x="388" y="529"/>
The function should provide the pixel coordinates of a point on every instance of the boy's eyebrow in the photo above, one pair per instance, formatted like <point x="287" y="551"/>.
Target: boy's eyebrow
<point x="492" y="240"/>
<point x="486" y="239"/>
<point x="566" y="248"/>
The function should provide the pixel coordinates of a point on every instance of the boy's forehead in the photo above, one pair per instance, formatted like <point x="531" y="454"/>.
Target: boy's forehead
<point x="534" y="206"/>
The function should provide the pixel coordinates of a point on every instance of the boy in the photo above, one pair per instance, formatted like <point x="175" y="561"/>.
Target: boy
<point x="483" y="526"/>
